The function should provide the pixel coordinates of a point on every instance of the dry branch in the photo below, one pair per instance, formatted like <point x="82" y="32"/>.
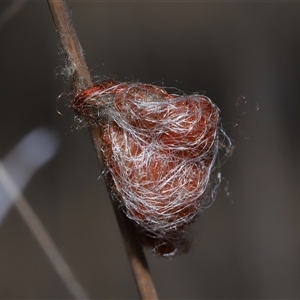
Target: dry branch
<point x="81" y="80"/>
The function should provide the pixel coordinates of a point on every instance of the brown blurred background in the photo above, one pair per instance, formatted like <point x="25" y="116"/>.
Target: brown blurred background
<point x="247" y="245"/>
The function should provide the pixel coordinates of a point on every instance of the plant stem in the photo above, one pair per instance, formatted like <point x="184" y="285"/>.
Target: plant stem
<point x="78" y="69"/>
<point x="42" y="236"/>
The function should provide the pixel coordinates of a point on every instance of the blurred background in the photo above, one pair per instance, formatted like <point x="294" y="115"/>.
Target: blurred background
<point x="247" y="245"/>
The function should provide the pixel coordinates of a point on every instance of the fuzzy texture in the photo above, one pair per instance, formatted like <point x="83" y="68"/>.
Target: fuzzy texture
<point x="159" y="148"/>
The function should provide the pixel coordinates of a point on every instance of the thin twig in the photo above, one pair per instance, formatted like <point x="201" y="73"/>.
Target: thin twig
<point x="82" y="79"/>
<point x="41" y="235"/>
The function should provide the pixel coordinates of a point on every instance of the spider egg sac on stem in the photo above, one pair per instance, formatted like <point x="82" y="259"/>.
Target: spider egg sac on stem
<point x="159" y="148"/>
